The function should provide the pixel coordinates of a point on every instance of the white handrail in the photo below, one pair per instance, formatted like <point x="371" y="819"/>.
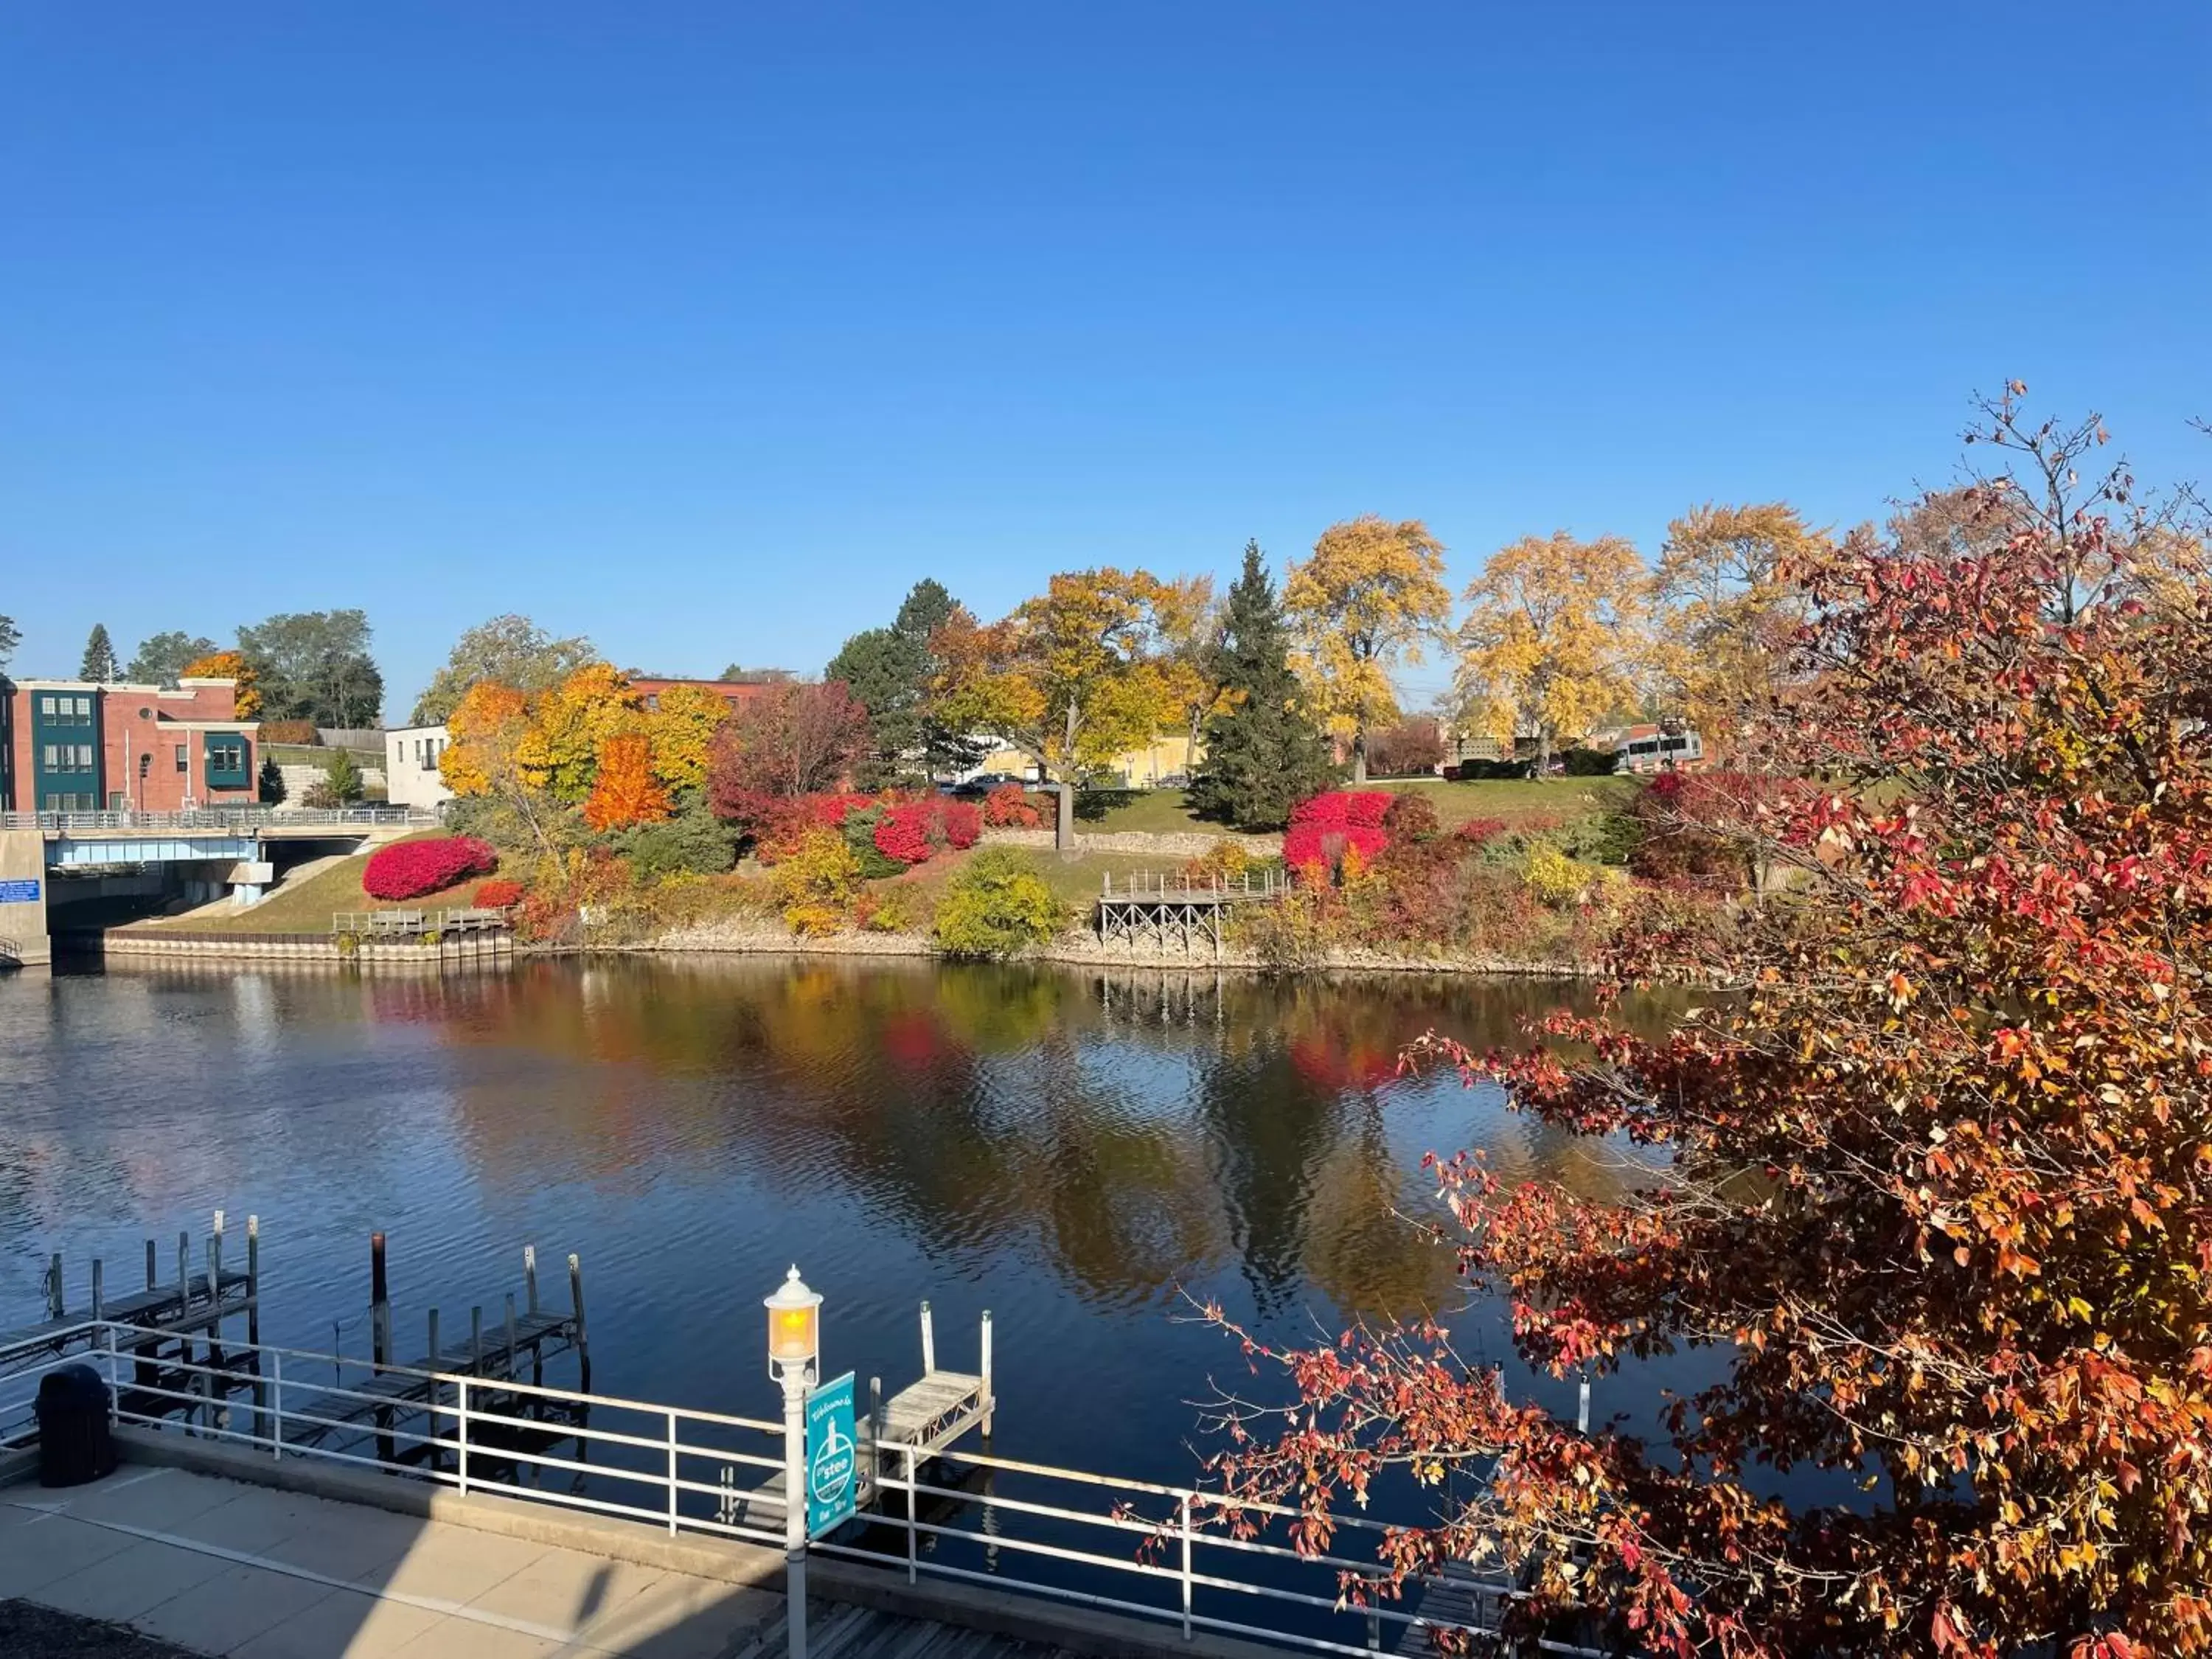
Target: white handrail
<point x="294" y="1416"/>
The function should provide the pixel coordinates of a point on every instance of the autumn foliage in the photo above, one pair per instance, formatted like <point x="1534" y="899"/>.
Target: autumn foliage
<point x="624" y="790"/>
<point x="1931" y="1194"/>
<point x="912" y="831"/>
<point x="410" y="869"/>
<point x="1326" y="826"/>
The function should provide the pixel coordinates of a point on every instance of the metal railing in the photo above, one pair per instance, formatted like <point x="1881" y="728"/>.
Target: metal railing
<point x="1178" y="886"/>
<point x="219" y="817"/>
<point x="678" y="1469"/>
<point x="412" y="924"/>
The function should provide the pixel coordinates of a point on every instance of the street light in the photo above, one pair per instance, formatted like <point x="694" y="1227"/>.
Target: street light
<point x="794" y="1344"/>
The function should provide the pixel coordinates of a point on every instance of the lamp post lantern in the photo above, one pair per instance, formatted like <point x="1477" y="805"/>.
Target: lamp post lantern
<point x="794" y="1347"/>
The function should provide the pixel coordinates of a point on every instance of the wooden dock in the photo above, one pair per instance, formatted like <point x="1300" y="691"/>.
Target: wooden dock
<point x="186" y="1306"/>
<point x="1172" y="912"/>
<point x="918" y="1424"/>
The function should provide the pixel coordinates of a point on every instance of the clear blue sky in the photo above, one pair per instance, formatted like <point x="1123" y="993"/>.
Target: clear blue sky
<point x="706" y="329"/>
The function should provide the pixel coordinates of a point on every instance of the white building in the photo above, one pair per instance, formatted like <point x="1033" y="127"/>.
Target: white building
<point x="411" y="766"/>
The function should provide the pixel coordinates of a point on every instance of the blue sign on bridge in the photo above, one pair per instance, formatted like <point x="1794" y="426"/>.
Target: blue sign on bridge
<point x="833" y="1463"/>
<point x="19" y="892"/>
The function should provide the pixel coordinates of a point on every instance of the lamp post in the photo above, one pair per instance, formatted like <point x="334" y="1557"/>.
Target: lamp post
<point x="794" y="1344"/>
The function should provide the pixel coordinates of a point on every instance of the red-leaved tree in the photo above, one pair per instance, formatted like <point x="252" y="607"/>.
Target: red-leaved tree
<point x="1930" y="1179"/>
<point x="796" y="740"/>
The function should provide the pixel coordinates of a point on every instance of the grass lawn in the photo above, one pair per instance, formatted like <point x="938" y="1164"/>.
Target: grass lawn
<point x="305" y="905"/>
<point x="1165" y="811"/>
<point x="1074" y="882"/>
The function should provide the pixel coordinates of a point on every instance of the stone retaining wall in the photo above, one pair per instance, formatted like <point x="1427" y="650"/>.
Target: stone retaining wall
<point x="1177" y="844"/>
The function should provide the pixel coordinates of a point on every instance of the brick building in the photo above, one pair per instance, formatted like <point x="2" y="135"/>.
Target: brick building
<point x="736" y="693"/>
<point x="72" y="746"/>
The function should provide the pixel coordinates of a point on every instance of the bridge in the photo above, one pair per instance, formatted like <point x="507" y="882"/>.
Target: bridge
<point x="212" y="849"/>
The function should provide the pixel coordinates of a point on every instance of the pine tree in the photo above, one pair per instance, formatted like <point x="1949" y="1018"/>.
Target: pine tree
<point x="343" y="779"/>
<point x="99" y="667"/>
<point x="1264" y="753"/>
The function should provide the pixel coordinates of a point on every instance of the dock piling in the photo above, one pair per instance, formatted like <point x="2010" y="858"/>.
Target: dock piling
<point x="512" y="1353"/>
<point x="54" y="1309"/>
<point x="152" y="1266"/>
<point x="253" y="1279"/>
<point x="476" y="1340"/>
<point x="985" y="1369"/>
<point x="928" y="1342"/>
<point x="99" y="1291"/>
<point x="214" y="1291"/>
<point x="576" y="1302"/>
<point x="380" y="1302"/>
<point x="530" y="1278"/>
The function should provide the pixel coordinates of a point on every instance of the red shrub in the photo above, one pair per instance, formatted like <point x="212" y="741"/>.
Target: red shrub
<point x="1009" y="807"/>
<point x="1317" y="849"/>
<point x="1476" y="832"/>
<point x="776" y="823"/>
<point x="903" y="833"/>
<point x="1360" y="809"/>
<point x="911" y="831"/>
<point x="963" y="824"/>
<point x="408" y="869"/>
<point x="1411" y="816"/>
<point x="498" y="893"/>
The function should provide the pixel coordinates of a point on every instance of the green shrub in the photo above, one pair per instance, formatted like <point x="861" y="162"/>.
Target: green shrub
<point x="695" y="843"/>
<point x="1579" y="762"/>
<point x="1608" y="838"/>
<point x="996" y="907"/>
<point x="859" y="833"/>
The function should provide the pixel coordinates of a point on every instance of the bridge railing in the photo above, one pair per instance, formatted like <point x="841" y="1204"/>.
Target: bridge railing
<point x="220" y="817"/>
<point x="1150" y="1550"/>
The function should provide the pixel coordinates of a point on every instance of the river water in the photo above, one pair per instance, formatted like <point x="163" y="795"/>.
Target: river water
<point x="1083" y="1153"/>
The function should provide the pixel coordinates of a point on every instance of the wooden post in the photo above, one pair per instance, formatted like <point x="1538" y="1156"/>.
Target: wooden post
<point x="986" y="1368"/>
<point x="185" y="1303"/>
<point x="875" y="1412"/>
<point x="152" y="1266"/>
<point x="476" y="1340"/>
<point x="380" y="1337"/>
<point x="576" y="1301"/>
<point x="928" y="1343"/>
<point x="253" y="1284"/>
<point x="513" y="1356"/>
<point x="529" y="1277"/>
<point x="214" y="1293"/>
<point x="99" y="1292"/>
<point x="54" y="1309"/>
<point x="379" y="1302"/>
<point x="437" y="1391"/>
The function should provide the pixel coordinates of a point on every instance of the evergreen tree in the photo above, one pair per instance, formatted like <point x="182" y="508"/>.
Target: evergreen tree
<point x="1264" y="753"/>
<point x="343" y="779"/>
<point x="99" y="666"/>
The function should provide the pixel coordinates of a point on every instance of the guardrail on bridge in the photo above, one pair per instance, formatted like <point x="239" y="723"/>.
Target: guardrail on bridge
<point x="224" y="818"/>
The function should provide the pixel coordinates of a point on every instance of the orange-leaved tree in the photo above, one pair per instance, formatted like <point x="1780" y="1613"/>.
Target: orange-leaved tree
<point x="1931" y="1182"/>
<point x="624" y="791"/>
<point x="246" y="701"/>
<point x="488" y="737"/>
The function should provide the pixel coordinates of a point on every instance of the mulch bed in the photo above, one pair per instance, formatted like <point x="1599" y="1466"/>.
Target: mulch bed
<point x="27" y="1630"/>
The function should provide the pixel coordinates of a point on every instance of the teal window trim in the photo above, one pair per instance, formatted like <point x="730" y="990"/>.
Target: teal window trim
<point x="228" y="759"/>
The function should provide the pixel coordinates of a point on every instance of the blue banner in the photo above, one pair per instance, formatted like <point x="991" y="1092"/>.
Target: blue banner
<point x="833" y="1464"/>
<point x="19" y="892"/>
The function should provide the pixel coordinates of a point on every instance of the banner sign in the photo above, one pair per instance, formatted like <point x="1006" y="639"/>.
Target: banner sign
<point x="833" y="1465"/>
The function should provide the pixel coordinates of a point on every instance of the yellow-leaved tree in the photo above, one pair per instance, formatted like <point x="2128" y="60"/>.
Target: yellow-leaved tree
<point x="569" y="724"/>
<point x="1731" y="609"/>
<point x="1368" y="600"/>
<point x="1558" y="635"/>
<point x="1190" y="623"/>
<point x="487" y="735"/>
<point x="1072" y="678"/>
<point x="681" y="732"/>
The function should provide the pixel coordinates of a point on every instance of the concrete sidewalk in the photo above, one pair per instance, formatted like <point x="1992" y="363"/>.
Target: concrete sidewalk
<point x="223" y="1568"/>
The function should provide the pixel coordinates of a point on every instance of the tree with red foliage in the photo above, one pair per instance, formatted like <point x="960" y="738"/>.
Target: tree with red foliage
<point x="913" y="830"/>
<point x="1934" y="1191"/>
<point x="624" y="791"/>
<point x="1008" y="806"/>
<point x="795" y="740"/>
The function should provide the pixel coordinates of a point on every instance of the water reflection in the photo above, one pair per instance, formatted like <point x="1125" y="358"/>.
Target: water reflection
<point x="1069" y="1149"/>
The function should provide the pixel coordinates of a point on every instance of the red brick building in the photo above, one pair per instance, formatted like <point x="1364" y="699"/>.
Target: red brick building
<point x="736" y="693"/>
<point x="72" y="746"/>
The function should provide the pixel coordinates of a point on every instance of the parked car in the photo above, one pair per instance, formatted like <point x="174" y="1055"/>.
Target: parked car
<point x="1176" y="781"/>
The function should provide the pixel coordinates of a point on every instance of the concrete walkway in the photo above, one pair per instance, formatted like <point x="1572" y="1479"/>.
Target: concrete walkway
<point x="223" y="1568"/>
